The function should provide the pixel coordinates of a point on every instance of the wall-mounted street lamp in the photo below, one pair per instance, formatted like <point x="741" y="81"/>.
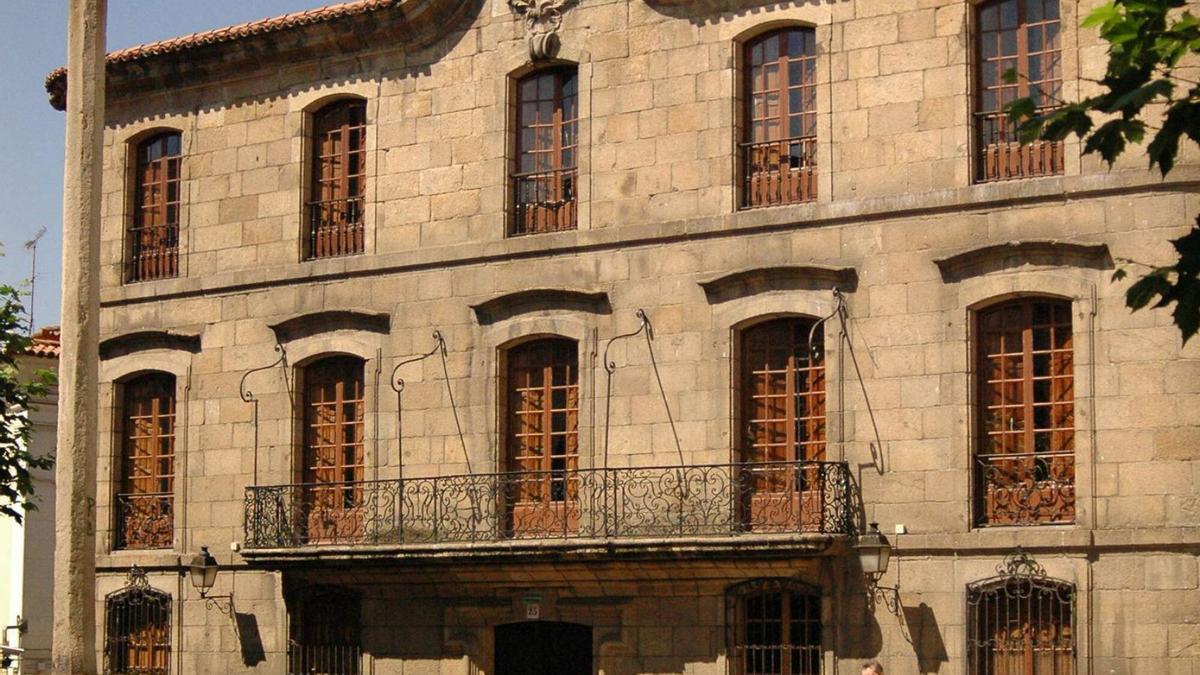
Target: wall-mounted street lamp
<point x="203" y="571"/>
<point x="874" y="554"/>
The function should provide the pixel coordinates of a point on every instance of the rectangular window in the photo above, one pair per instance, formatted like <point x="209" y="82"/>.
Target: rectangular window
<point x="543" y="437"/>
<point x="779" y="149"/>
<point x="153" y="237"/>
<point x="783" y="421"/>
<point x="144" y="504"/>
<point x="339" y="152"/>
<point x="544" y="179"/>
<point x="1025" y="460"/>
<point x="1021" y="36"/>
<point x="332" y="457"/>
<point x="779" y="633"/>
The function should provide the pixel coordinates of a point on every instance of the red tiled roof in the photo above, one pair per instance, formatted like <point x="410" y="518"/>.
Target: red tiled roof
<point x="46" y="342"/>
<point x="56" y="80"/>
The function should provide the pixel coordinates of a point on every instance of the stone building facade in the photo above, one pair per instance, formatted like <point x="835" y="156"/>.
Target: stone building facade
<point x="715" y="284"/>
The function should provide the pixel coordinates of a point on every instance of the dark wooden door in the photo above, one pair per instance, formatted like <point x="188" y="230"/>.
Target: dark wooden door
<point x="543" y="648"/>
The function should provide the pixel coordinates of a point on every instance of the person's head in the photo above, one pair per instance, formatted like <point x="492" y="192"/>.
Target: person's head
<point x="872" y="668"/>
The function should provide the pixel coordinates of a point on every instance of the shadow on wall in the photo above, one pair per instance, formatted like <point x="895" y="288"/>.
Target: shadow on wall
<point x="250" y="639"/>
<point x="926" y="638"/>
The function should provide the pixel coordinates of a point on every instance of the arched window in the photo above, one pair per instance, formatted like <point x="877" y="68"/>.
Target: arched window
<point x="146" y="468"/>
<point x="1020" y="622"/>
<point x="153" y="238"/>
<point x="137" y="629"/>
<point x="781" y="415"/>
<point x="325" y="632"/>
<point x="542" y="448"/>
<point x="1021" y="36"/>
<point x="779" y="144"/>
<point x="1025" y="450"/>
<point x="544" y="176"/>
<point x="777" y="627"/>
<point x="332" y="454"/>
<point x="339" y="166"/>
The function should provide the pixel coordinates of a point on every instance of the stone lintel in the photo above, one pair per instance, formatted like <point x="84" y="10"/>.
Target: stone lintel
<point x="541" y="299"/>
<point x="757" y="280"/>
<point x="315" y="323"/>
<point x="1049" y="252"/>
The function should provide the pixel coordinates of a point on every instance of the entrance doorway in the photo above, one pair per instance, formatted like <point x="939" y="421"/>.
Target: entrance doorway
<point x="543" y="648"/>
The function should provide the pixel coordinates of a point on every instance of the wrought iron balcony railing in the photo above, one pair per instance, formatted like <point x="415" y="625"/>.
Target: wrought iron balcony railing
<point x="145" y="520"/>
<point x="655" y="502"/>
<point x="1026" y="488"/>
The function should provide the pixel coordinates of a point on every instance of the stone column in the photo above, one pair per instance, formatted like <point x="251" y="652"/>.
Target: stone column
<point x="75" y="502"/>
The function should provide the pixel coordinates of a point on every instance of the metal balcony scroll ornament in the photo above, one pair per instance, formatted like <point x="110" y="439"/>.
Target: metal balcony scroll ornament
<point x="644" y="328"/>
<point x="542" y="18"/>
<point x="1020" y="564"/>
<point x="249" y="397"/>
<point x="398" y="384"/>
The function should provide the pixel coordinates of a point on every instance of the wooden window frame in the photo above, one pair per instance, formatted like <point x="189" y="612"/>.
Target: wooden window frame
<point x="1025" y="474"/>
<point x="156" y="200"/>
<point x="331" y="470"/>
<point x="336" y="201"/>
<point x="799" y="611"/>
<point x="779" y="480"/>
<point x="999" y="155"/>
<point x="145" y="517"/>
<point x="541" y="488"/>
<point x="781" y="168"/>
<point x="545" y="198"/>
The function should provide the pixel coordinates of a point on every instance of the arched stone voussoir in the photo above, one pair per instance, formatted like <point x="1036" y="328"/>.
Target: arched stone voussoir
<point x="538" y="300"/>
<point x="753" y="281"/>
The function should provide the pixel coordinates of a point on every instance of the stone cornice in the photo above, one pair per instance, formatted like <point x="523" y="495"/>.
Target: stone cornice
<point x="235" y="49"/>
<point x="541" y="299"/>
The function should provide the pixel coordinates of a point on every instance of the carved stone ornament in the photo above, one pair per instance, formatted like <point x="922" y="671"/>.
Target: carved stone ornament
<point x="543" y="18"/>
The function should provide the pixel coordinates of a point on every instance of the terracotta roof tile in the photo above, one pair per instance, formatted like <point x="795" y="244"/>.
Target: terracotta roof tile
<point x="46" y="342"/>
<point x="56" y="81"/>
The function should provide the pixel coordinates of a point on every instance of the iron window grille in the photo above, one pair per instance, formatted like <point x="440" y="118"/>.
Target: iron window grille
<point x="325" y="632"/>
<point x="137" y="629"/>
<point x="776" y="627"/>
<point x="145" y="501"/>
<point x="338" y="191"/>
<point x="1024" y="463"/>
<point x="153" y="235"/>
<point x="1022" y="36"/>
<point x="779" y="144"/>
<point x="1021" y="622"/>
<point x="545" y="179"/>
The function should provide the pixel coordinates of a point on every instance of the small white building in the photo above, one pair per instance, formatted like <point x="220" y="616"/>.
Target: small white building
<point x="27" y="549"/>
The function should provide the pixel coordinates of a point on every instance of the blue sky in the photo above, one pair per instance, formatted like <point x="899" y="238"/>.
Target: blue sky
<point x="32" y="43"/>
